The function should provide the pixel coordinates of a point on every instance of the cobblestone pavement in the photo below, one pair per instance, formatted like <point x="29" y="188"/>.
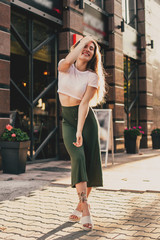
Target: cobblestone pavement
<point x="43" y="215"/>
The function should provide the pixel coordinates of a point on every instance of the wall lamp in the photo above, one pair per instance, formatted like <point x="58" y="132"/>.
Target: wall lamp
<point x="151" y="44"/>
<point x="121" y="26"/>
<point x="80" y="3"/>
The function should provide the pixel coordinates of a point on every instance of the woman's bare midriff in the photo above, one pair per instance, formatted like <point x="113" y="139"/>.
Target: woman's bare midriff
<point x="68" y="101"/>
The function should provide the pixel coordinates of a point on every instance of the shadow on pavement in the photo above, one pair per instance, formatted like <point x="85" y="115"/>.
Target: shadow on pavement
<point x="51" y="169"/>
<point x="73" y="235"/>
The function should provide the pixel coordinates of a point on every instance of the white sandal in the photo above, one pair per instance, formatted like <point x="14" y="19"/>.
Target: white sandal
<point x="87" y="220"/>
<point x="76" y="213"/>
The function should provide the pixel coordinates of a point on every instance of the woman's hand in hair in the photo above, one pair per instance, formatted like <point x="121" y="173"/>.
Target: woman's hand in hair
<point x="79" y="140"/>
<point x="73" y="55"/>
<point x="86" y="40"/>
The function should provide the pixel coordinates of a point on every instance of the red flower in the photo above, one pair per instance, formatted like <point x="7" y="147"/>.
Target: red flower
<point x="9" y="127"/>
<point x="13" y="135"/>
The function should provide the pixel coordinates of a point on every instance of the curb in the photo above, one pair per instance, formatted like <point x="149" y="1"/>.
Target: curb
<point x="128" y="190"/>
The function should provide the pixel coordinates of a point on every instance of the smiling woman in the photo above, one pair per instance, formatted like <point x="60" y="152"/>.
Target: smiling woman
<point x="80" y="80"/>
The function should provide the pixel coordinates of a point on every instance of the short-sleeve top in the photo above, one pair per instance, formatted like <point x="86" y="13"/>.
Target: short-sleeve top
<point x="74" y="82"/>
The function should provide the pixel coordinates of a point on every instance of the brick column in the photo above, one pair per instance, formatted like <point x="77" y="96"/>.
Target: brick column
<point x="114" y="65"/>
<point x="145" y="80"/>
<point x="72" y="24"/>
<point x="4" y="64"/>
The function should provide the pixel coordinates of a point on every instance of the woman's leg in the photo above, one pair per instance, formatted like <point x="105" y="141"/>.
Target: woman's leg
<point x="92" y="151"/>
<point x="88" y="191"/>
<point x="82" y="194"/>
<point x="79" y="206"/>
<point x="78" y="166"/>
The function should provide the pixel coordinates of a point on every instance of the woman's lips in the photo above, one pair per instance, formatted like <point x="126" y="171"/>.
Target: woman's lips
<point x="86" y="54"/>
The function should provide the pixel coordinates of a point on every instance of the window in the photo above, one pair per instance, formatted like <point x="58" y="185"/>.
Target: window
<point x="33" y="91"/>
<point x="129" y="12"/>
<point x="99" y="3"/>
<point x="131" y="92"/>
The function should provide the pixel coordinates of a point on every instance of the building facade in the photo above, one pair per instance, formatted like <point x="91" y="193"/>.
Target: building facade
<point x="35" y="35"/>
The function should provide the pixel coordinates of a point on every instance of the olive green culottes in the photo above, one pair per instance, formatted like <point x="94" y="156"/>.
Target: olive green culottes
<point x="85" y="160"/>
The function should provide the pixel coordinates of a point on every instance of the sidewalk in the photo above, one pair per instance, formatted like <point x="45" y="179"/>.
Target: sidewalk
<point x="131" y="172"/>
<point x="126" y="207"/>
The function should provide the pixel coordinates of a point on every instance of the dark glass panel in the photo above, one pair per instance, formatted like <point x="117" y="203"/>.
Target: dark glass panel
<point x="45" y="113"/>
<point x="16" y="48"/>
<point x="20" y="22"/>
<point x="44" y="71"/>
<point x="19" y="68"/>
<point x="130" y="91"/>
<point x="131" y="12"/>
<point x="99" y="3"/>
<point x="49" y="150"/>
<point x="41" y="32"/>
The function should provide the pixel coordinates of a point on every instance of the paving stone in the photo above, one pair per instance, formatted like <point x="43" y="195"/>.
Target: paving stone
<point x="146" y="229"/>
<point x="113" y="214"/>
<point x="124" y="232"/>
<point x="119" y="226"/>
<point x="89" y="238"/>
<point x="121" y="237"/>
<point x="145" y="234"/>
<point x="134" y="223"/>
<point x="135" y="238"/>
<point x="156" y="230"/>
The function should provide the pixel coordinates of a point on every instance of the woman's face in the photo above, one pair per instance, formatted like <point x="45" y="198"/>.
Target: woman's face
<point x="87" y="52"/>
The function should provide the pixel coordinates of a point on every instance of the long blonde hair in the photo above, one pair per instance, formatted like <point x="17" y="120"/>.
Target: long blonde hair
<point x="95" y="65"/>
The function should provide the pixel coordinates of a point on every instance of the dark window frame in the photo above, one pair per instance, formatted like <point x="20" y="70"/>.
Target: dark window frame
<point x="133" y="20"/>
<point x="129" y="106"/>
<point x="31" y="102"/>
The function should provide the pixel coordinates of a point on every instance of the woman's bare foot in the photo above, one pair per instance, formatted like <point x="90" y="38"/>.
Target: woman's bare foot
<point x="86" y="213"/>
<point x="76" y="215"/>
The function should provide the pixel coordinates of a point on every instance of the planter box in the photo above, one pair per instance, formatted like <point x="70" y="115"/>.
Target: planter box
<point x="14" y="156"/>
<point x="132" y="144"/>
<point x="155" y="141"/>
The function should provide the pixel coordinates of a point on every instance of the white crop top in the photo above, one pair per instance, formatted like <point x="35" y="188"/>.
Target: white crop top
<point x="74" y="82"/>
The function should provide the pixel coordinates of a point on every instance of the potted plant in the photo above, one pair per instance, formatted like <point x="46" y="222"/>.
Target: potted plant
<point x="14" y="144"/>
<point x="155" y="138"/>
<point x="133" y="137"/>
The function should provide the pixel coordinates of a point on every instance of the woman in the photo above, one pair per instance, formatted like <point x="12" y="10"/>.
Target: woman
<point x="81" y="82"/>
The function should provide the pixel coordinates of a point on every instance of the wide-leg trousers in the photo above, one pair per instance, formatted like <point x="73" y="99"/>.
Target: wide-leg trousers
<point x="85" y="160"/>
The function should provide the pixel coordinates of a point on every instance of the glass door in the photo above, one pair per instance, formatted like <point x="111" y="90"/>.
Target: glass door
<point x="34" y="82"/>
<point x="131" y="92"/>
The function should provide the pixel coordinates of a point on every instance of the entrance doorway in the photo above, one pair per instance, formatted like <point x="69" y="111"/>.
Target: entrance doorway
<point x="131" y="92"/>
<point x="33" y="90"/>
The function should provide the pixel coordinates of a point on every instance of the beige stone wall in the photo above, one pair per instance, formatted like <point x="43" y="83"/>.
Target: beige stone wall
<point x="149" y="73"/>
<point x="153" y="59"/>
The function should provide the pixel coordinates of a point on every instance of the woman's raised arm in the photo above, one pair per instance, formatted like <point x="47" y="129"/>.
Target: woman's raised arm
<point x="73" y="55"/>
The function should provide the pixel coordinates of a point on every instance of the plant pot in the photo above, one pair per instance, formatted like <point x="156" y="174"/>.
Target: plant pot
<point x="14" y="156"/>
<point x="156" y="141"/>
<point x="132" y="144"/>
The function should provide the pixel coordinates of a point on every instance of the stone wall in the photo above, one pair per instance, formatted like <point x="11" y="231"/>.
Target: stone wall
<point x="4" y="65"/>
<point x="114" y="63"/>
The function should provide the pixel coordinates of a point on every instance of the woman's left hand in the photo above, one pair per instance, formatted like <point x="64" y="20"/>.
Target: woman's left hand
<point x="79" y="141"/>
